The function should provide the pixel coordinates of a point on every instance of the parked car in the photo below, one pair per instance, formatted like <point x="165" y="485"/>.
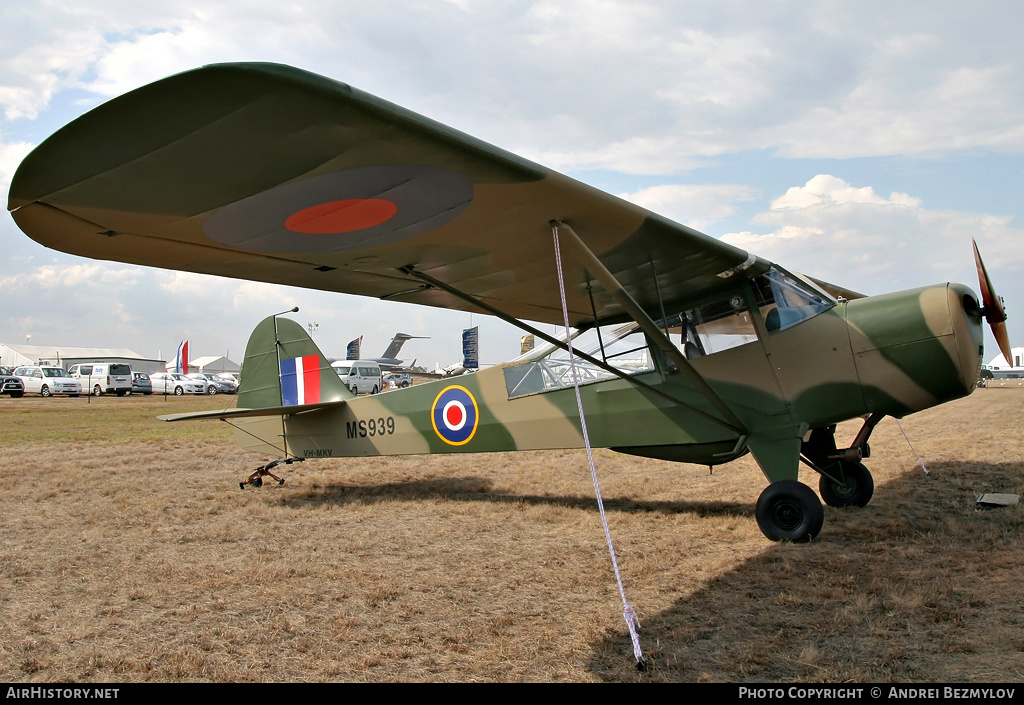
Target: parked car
<point x="215" y="385"/>
<point x="176" y="383"/>
<point x="104" y="377"/>
<point x="9" y="384"/>
<point x="231" y="377"/>
<point x="47" y="380"/>
<point x="141" y="383"/>
<point x="396" y="379"/>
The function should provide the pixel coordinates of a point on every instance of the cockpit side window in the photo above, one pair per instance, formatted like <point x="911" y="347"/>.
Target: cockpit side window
<point x="715" y="326"/>
<point x="785" y="300"/>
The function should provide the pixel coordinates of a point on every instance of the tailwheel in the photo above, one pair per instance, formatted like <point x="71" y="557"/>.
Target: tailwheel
<point x="256" y="478"/>
<point x="852" y="488"/>
<point x="789" y="511"/>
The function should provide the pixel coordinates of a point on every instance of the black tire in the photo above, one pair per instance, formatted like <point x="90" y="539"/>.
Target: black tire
<point x="789" y="511"/>
<point x="45" y="391"/>
<point x="96" y="391"/>
<point x="123" y="392"/>
<point x="178" y="391"/>
<point x="211" y="390"/>
<point x="146" y="393"/>
<point x="854" y="491"/>
<point x="404" y="385"/>
<point x="374" y="390"/>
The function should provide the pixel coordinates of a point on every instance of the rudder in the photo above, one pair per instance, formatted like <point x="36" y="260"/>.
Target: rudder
<point x="284" y="367"/>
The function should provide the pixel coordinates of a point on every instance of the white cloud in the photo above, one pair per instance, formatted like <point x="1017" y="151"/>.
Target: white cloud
<point x="651" y="87"/>
<point x="825" y="189"/>
<point x="110" y="278"/>
<point x="696" y="205"/>
<point x="642" y="87"/>
<point x="858" y="239"/>
<point x="11" y="154"/>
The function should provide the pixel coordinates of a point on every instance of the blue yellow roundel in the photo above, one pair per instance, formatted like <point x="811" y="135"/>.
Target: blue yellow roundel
<point x="454" y="415"/>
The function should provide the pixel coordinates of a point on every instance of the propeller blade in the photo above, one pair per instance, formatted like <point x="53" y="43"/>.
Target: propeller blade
<point x="993" y="309"/>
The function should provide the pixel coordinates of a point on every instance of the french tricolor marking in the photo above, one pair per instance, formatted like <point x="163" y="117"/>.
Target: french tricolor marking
<point x="300" y="380"/>
<point x="454" y="415"/>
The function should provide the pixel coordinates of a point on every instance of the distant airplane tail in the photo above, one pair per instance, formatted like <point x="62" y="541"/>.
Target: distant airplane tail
<point x="395" y="346"/>
<point x="284" y="367"/>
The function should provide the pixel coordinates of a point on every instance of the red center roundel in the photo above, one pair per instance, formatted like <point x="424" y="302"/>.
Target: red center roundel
<point x="454" y="415"/>
<point x="347" y="210"/>
<point x="341" y="216"/>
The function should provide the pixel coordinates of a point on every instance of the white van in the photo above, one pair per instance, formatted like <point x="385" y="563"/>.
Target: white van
<point x="104" y="377"/>
<point x="47" y="380"/>
<point x="360" y="376"/>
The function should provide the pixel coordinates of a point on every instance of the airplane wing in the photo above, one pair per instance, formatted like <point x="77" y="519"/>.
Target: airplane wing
<point x="270" y="173"/>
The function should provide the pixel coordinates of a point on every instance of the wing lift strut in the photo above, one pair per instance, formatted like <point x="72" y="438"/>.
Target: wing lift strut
<point x="728" y="418"/>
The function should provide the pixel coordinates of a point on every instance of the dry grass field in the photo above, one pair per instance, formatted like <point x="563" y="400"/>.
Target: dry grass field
<point x="130" y="554"/>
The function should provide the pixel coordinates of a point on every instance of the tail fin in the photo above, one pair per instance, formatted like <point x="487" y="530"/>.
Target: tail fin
<point x="395" y="346"/>
<point x="284" y="367"/>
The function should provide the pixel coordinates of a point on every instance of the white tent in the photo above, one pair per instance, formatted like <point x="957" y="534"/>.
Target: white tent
<point x="999" y="367"/>
<point x="209" y="365"/>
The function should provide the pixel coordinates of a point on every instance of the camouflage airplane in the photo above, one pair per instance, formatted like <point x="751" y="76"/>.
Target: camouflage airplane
<point x="689" y="349"/>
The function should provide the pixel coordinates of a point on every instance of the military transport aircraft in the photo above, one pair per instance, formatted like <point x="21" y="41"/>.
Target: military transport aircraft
<point x="689" y="349"/>
<point x="388" y="361"/>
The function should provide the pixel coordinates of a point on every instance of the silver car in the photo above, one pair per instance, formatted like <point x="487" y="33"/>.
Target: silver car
<point x="215" y="385"/>
<point x="176" y="383"/>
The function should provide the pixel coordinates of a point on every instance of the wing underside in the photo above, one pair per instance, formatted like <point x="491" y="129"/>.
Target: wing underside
<point x="270" y="173"/>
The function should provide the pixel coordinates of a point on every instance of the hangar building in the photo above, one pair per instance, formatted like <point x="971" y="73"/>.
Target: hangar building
<point x="14" y="355"/>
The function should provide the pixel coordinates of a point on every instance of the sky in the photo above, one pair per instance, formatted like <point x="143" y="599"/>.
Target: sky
<point x="864" y="143"/>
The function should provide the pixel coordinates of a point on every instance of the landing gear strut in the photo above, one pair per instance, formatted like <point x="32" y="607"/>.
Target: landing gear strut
<point x="845" y="481"/>
<point x="256" y="478"/>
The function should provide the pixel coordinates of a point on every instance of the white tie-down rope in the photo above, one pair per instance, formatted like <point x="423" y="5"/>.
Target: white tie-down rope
<point x="632" y="621"/>
<point x="919" y="461"/>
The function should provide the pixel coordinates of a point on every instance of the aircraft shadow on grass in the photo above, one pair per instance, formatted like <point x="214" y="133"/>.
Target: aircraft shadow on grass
<point x="471" y="489"/>
<point x="917" y="586"/>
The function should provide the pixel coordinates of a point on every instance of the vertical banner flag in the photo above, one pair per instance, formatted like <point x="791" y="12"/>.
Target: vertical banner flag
<point x="470" y="348"/>
<point x="181" y="359"/>
<point x="300" y="380"/>
<point x="352" y="352"/>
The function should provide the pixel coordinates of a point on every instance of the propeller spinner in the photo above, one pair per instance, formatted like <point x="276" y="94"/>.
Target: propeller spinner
<point x="992" y="307"/>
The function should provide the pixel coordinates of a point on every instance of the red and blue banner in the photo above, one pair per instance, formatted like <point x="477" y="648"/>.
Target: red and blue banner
<point x="181" y="358"/>
<point x="300" y="380"/>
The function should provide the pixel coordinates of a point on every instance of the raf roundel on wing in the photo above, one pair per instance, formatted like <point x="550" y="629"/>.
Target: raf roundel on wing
<point x="344" y="210"/>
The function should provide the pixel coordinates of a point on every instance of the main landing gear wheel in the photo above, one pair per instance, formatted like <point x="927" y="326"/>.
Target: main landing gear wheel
<point x="854" y="489"/>
<point x="789" y="511"/>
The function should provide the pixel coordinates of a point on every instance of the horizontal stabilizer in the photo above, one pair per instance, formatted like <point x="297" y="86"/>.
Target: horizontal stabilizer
<point x="241" y="413"/>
